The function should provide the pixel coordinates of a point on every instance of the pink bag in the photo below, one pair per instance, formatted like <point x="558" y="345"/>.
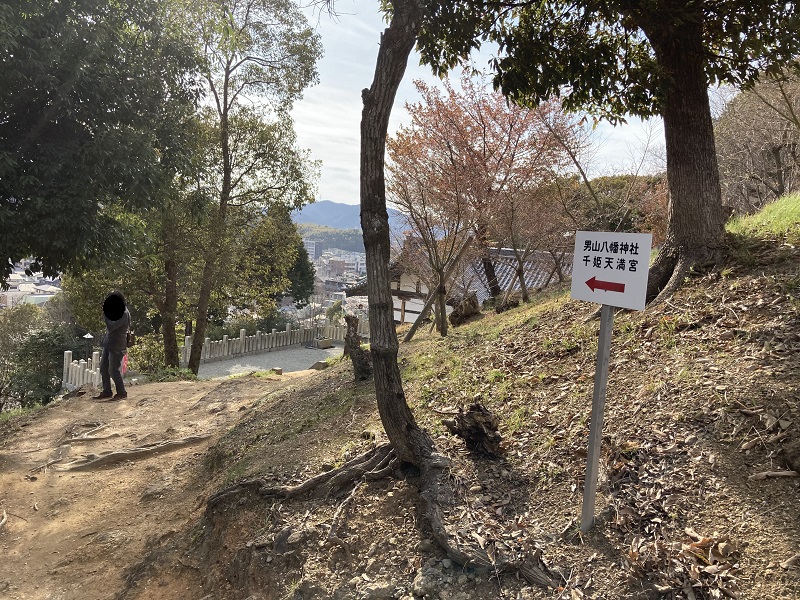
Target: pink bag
<point x="125" y="364"/>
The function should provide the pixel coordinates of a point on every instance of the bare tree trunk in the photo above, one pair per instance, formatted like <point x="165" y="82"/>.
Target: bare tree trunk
<point x="362" y="361"/>
<point x="556" y="266"/>
<point x="510" y="289"/>
<point x="441" y="305"/>
<point x="695" y="234"/>
<point x="523" y="286"/>
<point x="170" y="336"/>
<point x="216" y="234"/>
<point x="432" y="297"/>
<point x="486" y="261"/>
<point x="410" y="442"/>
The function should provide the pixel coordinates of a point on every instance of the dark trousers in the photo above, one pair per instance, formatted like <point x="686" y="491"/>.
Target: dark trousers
<point x="111" y="368"/>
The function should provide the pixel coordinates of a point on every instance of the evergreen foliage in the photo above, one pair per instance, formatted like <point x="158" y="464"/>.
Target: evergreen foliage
<point x="85" y="85"/>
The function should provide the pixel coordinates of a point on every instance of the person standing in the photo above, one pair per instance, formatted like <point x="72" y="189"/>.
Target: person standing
<point x="115" y="344"/>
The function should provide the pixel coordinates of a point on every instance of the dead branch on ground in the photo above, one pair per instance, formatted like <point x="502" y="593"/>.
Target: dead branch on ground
<point x="767" y="474"/>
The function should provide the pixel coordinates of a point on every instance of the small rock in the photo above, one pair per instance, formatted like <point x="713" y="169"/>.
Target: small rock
<point x="308" y="590"/>
<point x="447" y="563"/>
<point x="379" y="590"/>
<point x="296" y="537"/>
<point x="425" y="584"/>
<point x="425" y="545"/>
<point x="791" y="455"/>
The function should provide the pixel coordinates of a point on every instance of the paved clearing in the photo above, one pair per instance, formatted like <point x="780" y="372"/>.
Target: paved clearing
<point x="298" y="358"/>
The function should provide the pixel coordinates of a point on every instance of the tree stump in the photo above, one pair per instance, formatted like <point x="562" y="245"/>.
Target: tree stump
<point x="362" y="359"/>
<point x="468" y="307"/>
<point x="478" y="428"/>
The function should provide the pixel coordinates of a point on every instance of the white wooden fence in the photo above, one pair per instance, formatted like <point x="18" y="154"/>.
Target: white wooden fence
<point x="82" y="372"/>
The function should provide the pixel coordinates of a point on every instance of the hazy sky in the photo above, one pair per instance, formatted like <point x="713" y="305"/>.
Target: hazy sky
<point x="328" y="118"/>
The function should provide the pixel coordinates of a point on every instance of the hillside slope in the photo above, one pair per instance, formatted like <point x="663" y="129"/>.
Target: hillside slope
<point x="702" y="403"/>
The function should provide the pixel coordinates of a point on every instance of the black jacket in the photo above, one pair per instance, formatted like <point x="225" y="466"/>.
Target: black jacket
<point x="116" y="332"/>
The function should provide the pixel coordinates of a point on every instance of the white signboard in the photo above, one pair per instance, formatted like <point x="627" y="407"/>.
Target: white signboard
<point x="611" y="268"/>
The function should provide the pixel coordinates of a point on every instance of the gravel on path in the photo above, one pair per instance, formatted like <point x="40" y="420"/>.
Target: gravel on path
<point x="296" y="358"/>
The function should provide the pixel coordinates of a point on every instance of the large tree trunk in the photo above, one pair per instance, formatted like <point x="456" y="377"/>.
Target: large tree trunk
<point x="695" y="233"/>
<point x="201" y="315"/>
<point x="410" y="442"/>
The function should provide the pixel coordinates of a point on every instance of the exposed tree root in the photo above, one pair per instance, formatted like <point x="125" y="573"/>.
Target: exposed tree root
<point x="435" y="490"/>
<point x="678" y="272"/>
<point x="323" y="484"/>
<point x="338" y="517"/>
<point x="93" y="461"/>
<point x="4" y="520"/>
<point x="671" y="268"/>
<point x="46" y="465"/>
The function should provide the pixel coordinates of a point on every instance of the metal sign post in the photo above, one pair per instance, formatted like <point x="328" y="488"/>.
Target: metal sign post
<point x="596" y="424"/>
<point x="611" y="269"/>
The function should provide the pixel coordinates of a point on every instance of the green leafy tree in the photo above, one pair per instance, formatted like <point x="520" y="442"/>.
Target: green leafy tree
<point x="257" y="52"/>
<point x="268" y="252"/>
<point x="16" y="324"/>
<point x="640" y="57"/>
<point x="301" y="276"/>
<point x="40" y="363"/>
<point x="84" y="85"/>
<point x="335" y="312"/>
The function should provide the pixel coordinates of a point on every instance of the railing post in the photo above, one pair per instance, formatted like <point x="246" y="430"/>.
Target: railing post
<point x="67" y="362"/>
<point x="96" y="365"/>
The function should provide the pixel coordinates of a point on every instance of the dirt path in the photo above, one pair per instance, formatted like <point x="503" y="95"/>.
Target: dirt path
<point x="71" y="533"/>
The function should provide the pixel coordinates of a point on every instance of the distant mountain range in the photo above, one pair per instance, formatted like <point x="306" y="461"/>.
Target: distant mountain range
<point x="338" y="215"/>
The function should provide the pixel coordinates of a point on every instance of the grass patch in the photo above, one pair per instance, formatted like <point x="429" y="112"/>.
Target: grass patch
<point x="779" y="219"/>
<point x="8" y="415"/>
<point x="169" y="374"/>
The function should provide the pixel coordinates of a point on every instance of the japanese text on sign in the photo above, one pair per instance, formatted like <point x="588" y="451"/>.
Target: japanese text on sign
<point x="621" y="263"/>
<point x="611" y="268"/>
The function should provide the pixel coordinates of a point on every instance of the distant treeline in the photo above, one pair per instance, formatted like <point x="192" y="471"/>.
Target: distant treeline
<point x="344" y="239"/>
